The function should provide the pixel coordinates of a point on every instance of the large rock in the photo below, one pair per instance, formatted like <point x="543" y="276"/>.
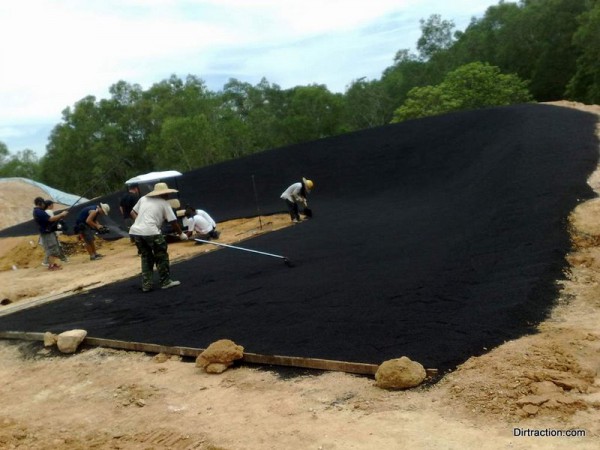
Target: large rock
<point x="401" y="373"/>
<point x="69" y="340"/>
<point x="219" y="356"/>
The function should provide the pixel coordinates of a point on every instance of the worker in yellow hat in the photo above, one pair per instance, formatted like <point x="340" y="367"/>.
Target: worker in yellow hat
<point x="296" y="195"/>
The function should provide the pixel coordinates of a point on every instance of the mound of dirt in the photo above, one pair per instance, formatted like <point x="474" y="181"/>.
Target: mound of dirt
<point x="16" y="198"/>
<point x="19" y="253"/>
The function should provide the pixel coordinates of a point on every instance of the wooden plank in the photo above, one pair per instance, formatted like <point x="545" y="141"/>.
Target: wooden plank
<point x="144" y="347"/>
<point x="110" y="343"/>
<point x="252" y="358"/>
<point x="311" y="363"/>
<point x="22" y="335"/>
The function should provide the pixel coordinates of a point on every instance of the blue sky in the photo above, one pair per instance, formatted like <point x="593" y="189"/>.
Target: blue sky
<point x="55" y="52"/>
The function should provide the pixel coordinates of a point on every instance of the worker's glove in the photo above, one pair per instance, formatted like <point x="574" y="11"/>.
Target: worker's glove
<point x="62" y="226"/>
<point x="103" y="230"/>
<point x="183" y="237"/>
<point x="302" y="202"/>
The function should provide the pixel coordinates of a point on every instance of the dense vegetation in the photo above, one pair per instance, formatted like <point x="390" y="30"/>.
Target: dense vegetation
<point x="537" y="50"/>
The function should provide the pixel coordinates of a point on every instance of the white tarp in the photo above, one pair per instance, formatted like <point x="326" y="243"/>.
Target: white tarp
<point x="57" y="196"/>
<point x="153" y="176"/>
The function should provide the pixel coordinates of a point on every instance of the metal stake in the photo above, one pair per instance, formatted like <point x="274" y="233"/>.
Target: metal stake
<point x="256" y="201"/>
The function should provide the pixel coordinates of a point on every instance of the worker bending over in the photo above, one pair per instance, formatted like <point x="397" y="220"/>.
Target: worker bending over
<point x="297" y="195"/>
<point x="200" y="224"/>
<point x="87" y="225"/>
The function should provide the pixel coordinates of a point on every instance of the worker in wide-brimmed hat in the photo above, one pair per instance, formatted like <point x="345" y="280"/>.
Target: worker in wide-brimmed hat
<point x="296" y="195"/>
<point x="87" y="225"/>
<point x="150" y="212"/>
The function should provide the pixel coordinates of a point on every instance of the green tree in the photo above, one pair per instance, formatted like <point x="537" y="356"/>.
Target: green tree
<point x="552" y="61"/>
<point x="127" y="127"/>
<point x="532" y="39"/>
<point x="252" y="114"/>
<point x="186" y="143"/>
<point x="236" y="137"/>
<point x="313" y="113"/>
<point x="69" y="162"/>
<point x="100" y="144"/>
<point x="407" y="72"/>
<point x="23" y="164"/>
<point x="425" y="101"/>
<point x="84" y="152"/>
<point x="4" y="154"/>
<point x="436" y="36"/>
<point x="484" y="38"/>
<point x="584" y="86"/>
<point x="472" y="86"/>
<point x="366" y="104"/>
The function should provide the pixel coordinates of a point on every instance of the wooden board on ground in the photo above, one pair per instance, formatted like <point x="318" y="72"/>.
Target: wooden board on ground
<point x="252" y="358"/>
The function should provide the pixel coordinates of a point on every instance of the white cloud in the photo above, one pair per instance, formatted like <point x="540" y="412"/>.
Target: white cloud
<point x="55" y="52"/>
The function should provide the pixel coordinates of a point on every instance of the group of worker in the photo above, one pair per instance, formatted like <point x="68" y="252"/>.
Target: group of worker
<point x="49" y="224"/>
<point x="143" y="217"/>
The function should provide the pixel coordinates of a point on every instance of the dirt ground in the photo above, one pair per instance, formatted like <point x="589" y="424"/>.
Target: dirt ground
<point x="522" y="394"/>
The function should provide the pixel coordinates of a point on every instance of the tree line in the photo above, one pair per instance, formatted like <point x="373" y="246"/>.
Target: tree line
<point x="531" y="50"/>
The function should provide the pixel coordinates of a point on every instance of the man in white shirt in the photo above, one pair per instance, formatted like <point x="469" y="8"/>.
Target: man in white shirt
<point x="297" y="195"/>
<point x="200" y="224"/>
<point x="149" y="213"/>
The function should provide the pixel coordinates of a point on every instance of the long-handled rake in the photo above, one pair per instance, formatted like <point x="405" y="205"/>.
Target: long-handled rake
<point x="285" y="260"/>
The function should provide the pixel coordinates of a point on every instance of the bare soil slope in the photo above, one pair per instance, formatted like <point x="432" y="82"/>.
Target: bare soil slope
<point x="101" y="398"/>
<point x="16" y="198"/>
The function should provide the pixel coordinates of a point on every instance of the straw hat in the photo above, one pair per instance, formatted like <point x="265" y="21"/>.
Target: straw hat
<point x="161" y="189"/>
<point x="105" y="208"/>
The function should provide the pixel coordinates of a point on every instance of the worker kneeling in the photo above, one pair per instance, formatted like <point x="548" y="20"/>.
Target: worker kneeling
<point x="199" y="224"/>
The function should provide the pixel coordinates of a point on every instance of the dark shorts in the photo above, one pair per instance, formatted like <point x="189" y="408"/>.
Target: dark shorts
<point x="88" y="233"/>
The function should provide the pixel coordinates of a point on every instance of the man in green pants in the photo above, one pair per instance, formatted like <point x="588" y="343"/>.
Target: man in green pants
<point x="150" y="212"/>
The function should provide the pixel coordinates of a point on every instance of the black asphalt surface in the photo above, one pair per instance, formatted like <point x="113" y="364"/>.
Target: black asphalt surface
<point x="435" y="238"/>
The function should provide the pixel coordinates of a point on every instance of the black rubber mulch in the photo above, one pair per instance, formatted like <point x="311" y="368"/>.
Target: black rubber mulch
<point x="435" y="239"/>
